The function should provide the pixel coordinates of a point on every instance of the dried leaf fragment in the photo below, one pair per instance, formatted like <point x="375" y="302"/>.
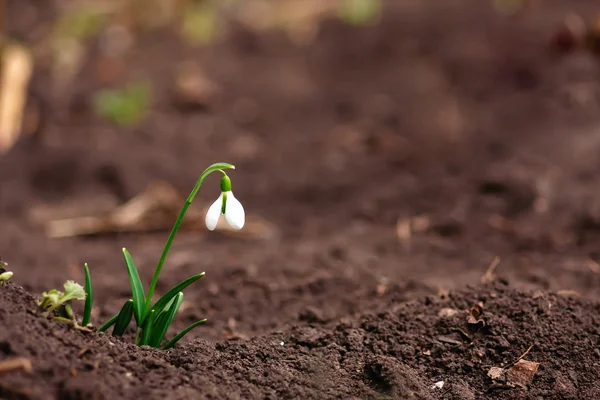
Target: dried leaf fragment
<point x="568" y="293"/>
<point x="155" y="209"/>
<point x="447" y="312"/>
<point x="14" y="364"/>
<point x="593" y="266"/>
<point x="454" y="339"/>
<point x="475" y="315"/>
<point x="403" y="229"/>
<point x="497" y="374"/>
<point x="194" y="90"/>
<point x="522" y="373"/>
<point x="490" y="274"/>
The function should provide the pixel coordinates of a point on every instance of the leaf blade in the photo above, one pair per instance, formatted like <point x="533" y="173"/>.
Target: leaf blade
<point x="108" y="323"/>
<point x="87" y="311"/>
<point x="123" y="318"/>
<point x="164" y="321"/>
<point x="167" y="297"/>
<point x="137" y="289"/>
<point x="181" y="334"/>
<point x="73" y="291"/>
<point x="147" y="328"/>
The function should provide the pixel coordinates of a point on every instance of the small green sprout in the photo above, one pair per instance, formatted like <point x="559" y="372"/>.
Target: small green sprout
<point x="153" y="320"/>
<point x="126" y="106"/>
<point x="200" y="25"/>
<point x="81" y="23"/>
<point x="508" y="7"/>
<point x="359" y="12"/>
<point x="87" y="311"/>
<point x="5" y="276"/>
<point x="55" y="301"/>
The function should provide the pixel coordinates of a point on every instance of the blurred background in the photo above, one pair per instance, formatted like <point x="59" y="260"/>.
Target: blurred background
<point x="383" y="149"/>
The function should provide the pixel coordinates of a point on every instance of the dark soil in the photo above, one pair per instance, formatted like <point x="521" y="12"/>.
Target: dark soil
<point x="455" y="115"/>
<point x="397" y="353"/>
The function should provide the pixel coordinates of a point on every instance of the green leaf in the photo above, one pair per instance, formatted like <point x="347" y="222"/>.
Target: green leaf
<point x="167" y="297"/>
<point x="359" y="12"/>
<point x="159" y="321"/>
<point x="137" y="290"/>
<point x="87" y="311"/>
<point x="5" y="276"/>
<point x="73" y="291"/>
<point x="147" y="328"/>
<point x="200" y="23"/>
<point x="167" y="307"/>
<point x="54" y="299"/>
<point x="50" y="298"/>
<point x="108" y="323"/>
<point x="123" y="318"/>
<point x="126" y="106"/>
<point x="181" y="334"/>
<point x="164" y="321"/>
<point x="81" y="23"/>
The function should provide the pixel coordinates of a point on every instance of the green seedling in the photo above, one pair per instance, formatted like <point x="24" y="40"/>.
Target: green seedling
<point x="152" y="320"/>
<point x="81" y="23"/>
<point x="200" y="25"/>
<point x="5" y="276"/>
<point x="87" y="311"/>
<point x="126" y="106"/>
<point x="508" y="7"/>
<point x="58" y="303"/>
<point x="359" y="12"/>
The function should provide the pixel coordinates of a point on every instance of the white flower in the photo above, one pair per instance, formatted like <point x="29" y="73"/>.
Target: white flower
<point x="234" y="212"/>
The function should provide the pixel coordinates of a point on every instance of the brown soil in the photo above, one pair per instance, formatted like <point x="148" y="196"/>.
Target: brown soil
<point x="453" y="114"/>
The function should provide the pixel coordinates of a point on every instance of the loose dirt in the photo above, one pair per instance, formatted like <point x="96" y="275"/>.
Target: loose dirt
<point x="393" y="162"/>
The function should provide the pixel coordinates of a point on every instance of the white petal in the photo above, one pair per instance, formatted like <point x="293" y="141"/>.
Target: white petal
<point x="213" y="214"/>
<point x="234" y="212"/>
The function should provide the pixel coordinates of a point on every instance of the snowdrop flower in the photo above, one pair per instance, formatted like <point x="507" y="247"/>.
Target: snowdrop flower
<point x="227" y="205"/>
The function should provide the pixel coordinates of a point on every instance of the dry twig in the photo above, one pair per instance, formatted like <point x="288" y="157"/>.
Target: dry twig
<point x="15" y="364"/>
<point x="153" y="210"/>
<point x="17" y="68"/>
<point x="523" y="355"/>
<point x="490" y="274"/>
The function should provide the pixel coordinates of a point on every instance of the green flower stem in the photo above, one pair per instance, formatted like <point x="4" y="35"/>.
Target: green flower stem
<point x="215" y="167"/>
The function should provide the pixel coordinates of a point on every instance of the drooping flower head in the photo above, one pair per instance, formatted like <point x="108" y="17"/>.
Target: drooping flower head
<point x="226" y="205"/>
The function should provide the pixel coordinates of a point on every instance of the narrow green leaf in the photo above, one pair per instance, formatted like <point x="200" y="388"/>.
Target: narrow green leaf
<point x="159" y="319"/>
<point x="166" y="298"/>
<point x="164" y="321"/>
<point x="87" y="311"/>
<point x="137" y="289"/>
<point x="154" y="337"/>
<point x="181" y="334"/>
<point x="123" y="318"/>
<point x="147" y="328"/>
<point x="108" y="323"/>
